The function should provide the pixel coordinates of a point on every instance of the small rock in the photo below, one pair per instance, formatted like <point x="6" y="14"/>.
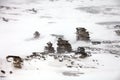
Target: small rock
<point x="11" y="72"/>
<point x="3" y="71"/>
<point x="72" y="62"/>
<point x="80" y="66"/>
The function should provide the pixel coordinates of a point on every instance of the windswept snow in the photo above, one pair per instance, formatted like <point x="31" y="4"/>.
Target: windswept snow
<point x="22" y="18"/>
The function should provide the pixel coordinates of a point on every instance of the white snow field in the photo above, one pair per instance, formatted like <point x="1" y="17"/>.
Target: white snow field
<point x="60" y="17"/>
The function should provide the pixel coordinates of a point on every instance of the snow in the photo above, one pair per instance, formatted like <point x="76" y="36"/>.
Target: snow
<point x="60" y="17"/>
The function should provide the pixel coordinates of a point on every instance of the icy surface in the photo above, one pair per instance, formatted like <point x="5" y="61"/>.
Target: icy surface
<point x="60" y="17"/>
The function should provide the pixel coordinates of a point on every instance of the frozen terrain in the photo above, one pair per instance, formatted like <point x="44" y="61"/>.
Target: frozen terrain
<point x="60" y="17"/>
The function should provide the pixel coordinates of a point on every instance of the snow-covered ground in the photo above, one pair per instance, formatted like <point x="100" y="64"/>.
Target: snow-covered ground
<point x="60" y="17"/>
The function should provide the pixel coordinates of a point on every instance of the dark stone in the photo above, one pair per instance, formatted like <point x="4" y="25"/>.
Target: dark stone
<point x="11" y="72"/>
<point x="63" y="46"/>
<point x="49" y="48"/>
<point x="3" y="71"/>
<point x="81" y="50"/>
<point x="82" y="34"/>
<point x="36" y="34"/>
